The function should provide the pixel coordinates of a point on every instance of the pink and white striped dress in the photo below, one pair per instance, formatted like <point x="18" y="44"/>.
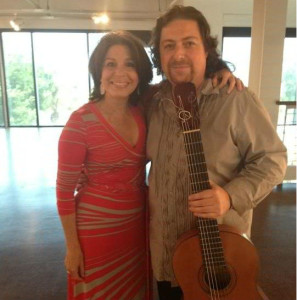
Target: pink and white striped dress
<point x="110" y="210"/>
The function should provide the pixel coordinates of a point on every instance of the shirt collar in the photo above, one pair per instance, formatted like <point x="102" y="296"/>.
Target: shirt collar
<point x="206" y="89"/>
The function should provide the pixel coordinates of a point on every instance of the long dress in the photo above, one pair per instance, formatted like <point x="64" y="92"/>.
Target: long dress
<point x="110" y="210"/>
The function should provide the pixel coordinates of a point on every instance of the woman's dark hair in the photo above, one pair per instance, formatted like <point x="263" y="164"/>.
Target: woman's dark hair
<point x="143" y="65"/>
<point x="213" y="62"/>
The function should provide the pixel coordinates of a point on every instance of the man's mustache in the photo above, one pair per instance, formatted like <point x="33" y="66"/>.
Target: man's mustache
<point x="180" y="63"/>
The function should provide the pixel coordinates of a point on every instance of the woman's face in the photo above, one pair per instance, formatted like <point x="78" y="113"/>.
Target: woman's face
<point x="119" y="77"/>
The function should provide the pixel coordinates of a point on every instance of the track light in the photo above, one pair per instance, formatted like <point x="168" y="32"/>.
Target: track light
<point x="100" y="19"/>
<point x="15" y="24"/>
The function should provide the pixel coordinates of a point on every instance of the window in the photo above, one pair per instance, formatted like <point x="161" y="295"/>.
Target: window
<point x="94" y="39"/>
<point x="237" y="49"/>
<point x="156" y="78"/>
<point x="61" y="70"/>
<point x="19" y="78"/>
<point x="239" y="59"/>
<point x="287" y="110"/>
<point x="288" y="84"/>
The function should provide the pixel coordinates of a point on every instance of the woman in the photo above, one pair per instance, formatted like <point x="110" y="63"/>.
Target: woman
<point x="104" y="225"/>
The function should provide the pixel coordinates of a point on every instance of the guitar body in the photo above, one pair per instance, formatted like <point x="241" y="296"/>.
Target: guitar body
<point x="242" y="263"/>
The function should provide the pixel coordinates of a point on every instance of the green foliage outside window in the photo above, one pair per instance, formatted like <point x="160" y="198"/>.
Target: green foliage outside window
<point x="289" y="85"/>
<point x="47" y="94"/>
<point x="20" y="91"/>
<point x="21" y="96"/>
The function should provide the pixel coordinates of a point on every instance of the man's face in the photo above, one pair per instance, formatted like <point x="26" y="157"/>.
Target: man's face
<point x="183" y="57"/>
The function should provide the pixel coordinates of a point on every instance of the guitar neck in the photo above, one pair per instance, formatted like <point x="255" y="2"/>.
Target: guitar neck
<point x="211" y="245"/>
<point x="196" y="161"/>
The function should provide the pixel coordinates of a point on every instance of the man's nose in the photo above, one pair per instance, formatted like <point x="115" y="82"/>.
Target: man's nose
<point x="179" y="53"/>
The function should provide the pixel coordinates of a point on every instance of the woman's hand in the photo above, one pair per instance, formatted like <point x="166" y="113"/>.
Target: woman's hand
<point x="74" y="263"/>
<point x="222" y="77"/>
<point x="82" y="180"/>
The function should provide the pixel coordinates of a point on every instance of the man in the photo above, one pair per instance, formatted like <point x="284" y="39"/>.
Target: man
<point x="244" y="155"/>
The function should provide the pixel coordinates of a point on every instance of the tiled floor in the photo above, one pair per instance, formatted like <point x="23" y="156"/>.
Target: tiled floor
<point x="31" y="239"/>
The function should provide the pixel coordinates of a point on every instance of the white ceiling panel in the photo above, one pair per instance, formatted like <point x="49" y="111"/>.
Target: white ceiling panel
<point x="126" y="14"/>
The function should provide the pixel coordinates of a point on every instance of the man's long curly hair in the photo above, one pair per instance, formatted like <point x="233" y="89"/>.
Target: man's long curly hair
<point x="213" y="63"/>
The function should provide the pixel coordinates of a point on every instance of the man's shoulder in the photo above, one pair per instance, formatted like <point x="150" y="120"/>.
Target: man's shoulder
<point x="236" y="95"/>
<point x="246" y="96"/>
<point x="242" y="102"/>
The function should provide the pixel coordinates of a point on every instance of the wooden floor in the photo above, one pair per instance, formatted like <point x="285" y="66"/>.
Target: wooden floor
<point x="31" y="239"/>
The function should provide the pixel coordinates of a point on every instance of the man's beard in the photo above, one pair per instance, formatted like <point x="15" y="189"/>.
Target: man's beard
<point x="180" y="76"/>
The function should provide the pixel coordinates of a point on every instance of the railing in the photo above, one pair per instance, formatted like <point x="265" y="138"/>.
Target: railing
<point x="286" y="129"/>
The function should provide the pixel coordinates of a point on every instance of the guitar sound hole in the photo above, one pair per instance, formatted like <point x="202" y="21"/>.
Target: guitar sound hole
<point x="218" y="278"/>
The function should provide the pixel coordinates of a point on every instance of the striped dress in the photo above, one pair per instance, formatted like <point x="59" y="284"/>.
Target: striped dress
<point x="110" y="210"/>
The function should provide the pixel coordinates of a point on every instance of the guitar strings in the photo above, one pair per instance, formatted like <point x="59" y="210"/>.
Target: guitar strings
<point x="215" y="240"/>
<point x="204" y="230"/>
<point x="198" y="185"/>
<point x="219" y="258"/>
<point x="190" y="146"/>
<point x="223" y="271"/>
<point x="208" y="259"/>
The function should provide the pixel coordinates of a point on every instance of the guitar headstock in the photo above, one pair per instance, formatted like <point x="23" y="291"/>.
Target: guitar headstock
<point x="186" y="103"/>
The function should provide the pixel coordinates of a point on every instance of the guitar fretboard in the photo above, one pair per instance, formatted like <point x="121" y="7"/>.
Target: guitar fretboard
<point x="212" y="250"/>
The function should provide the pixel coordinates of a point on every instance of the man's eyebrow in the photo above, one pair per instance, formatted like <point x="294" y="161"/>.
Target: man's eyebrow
<point x="168" y="40"/>
<point x="190" y="37"/>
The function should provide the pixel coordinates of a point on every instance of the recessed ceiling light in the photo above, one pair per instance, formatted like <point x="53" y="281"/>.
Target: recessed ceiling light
<point x="15" y="24"/>
<point x="100" y="19"/>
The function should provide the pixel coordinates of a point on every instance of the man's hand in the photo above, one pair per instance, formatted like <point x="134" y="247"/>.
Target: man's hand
<point x="222" y="77"/>
<point x="212" y="203"/>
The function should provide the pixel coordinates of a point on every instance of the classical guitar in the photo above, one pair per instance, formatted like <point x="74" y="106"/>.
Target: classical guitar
<point x="211" y="261"/>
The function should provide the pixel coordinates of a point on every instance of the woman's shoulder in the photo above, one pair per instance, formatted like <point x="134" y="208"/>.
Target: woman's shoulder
<point x="83" y="110"/>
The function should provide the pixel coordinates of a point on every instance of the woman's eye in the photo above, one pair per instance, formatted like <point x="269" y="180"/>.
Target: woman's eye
<point x="109" y="64"/>
<point x="131" y="64"/>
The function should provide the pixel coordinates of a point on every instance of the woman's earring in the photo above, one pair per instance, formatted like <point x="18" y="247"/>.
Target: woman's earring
<point x="102" y="89"/>
<point x="138" y="90"/>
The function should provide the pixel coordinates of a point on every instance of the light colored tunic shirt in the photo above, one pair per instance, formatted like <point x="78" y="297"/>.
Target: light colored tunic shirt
<point x="244" y="155"/>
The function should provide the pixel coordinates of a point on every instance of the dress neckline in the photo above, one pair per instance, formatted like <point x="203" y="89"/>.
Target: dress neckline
<point x="113" y="130"/>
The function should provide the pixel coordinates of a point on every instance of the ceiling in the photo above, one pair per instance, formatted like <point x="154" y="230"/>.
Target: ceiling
<point x="125" y="14"/>
<point x="136" y="9"/>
